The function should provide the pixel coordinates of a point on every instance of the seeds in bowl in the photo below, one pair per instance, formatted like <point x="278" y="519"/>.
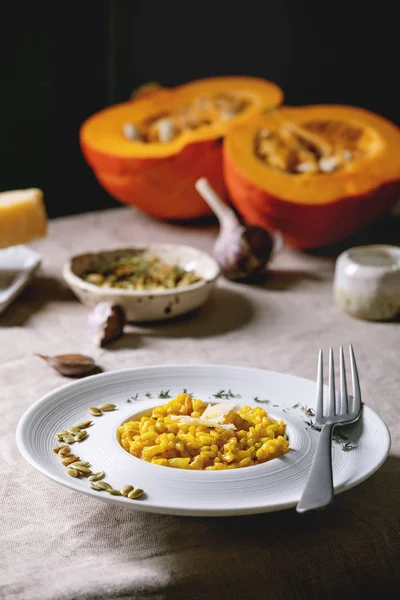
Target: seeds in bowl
<point x="186" y="433"/>
<point x="142" y="272"/>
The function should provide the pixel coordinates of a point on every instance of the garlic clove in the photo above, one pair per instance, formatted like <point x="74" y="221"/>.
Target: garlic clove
<point x="241" y="251"/>
<point x="105" y="323"/>
<point x="70" y="365"/>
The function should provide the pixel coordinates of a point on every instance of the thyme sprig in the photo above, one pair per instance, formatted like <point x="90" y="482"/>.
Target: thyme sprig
<point x="222" y="394"/>
<point x="309" y="412"/>
<point x="348" y="446"/>
<point x="337" y="437"/>
<point x="164" y="394"/>
<point x="260" y="401"/>
<point x="311" y="425"/>
<point x="135" y="397"/>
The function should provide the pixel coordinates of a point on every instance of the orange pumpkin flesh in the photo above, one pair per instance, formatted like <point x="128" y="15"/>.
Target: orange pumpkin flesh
<point x="313" y="209"/>
<point x="159" y="177"/>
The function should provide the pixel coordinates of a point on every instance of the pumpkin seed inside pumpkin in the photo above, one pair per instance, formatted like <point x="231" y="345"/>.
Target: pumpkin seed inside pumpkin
<point x="200" y="112"/>
<point x="315" y="147"/>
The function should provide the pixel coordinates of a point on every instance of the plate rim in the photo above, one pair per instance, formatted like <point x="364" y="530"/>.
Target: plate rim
<point x="154" y="507"/>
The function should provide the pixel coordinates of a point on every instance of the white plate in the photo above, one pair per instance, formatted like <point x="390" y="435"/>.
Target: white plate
<point x="17" y="266"/>
<point x="271" y="486"/>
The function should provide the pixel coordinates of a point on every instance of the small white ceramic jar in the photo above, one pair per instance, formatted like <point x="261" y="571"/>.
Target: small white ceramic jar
<point x="367" y="282"/>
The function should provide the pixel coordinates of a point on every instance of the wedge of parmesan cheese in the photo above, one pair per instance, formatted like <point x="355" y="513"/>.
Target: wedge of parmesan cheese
<point x="213" y="416"/>
<point x="22" y="217"/>
<point x="218" y="412"/>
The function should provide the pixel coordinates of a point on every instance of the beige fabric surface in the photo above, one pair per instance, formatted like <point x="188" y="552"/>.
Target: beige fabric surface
<point x="56" y="544"/>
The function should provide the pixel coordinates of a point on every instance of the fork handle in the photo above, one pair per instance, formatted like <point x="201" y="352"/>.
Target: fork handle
<point x="318" y="491"/>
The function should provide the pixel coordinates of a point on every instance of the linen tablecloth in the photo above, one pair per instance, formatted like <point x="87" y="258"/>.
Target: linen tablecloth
<point x="56" y="544"/>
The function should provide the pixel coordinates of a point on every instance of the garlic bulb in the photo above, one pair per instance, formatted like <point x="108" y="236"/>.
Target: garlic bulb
<point x="105" y="323"/>
<point x="241" y="251"/>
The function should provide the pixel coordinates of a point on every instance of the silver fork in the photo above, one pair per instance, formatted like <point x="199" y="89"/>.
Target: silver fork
<point x="318" y="491"/>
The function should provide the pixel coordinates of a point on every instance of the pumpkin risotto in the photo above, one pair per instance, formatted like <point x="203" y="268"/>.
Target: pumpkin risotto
<point x="188" y="434"/>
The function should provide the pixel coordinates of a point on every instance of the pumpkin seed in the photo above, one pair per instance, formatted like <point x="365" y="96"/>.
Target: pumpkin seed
<point x="165" y="130"/>
<point x="103" y="485"/>
<point x="94" y="486"/>
<point x="81" y="435"/>
<point x="74" y="429"/>
<point x="97" y="476"/>
<point x="69" y="439"/>
<point x="114" y="492"/>
<point x="69" y="460"/>
<point x="107" y="407"/>
<point x="80" y="463"/>
<point x="72" y="473"/>
<point x="130" y="132"/>
<point x="329" y="163"/>
<point x="126" y="489"/>
<point x="65" y="451"/>
<point x="307" y="167"/>
<point x="57" y="448"/>
<point x="62" y="433"/>
<point x="96" y="412"/>
<point x="135" y="494"/>
<point x="83" y="470"/>
<point x="84" y="424"/>
<point x="347" y="155"/>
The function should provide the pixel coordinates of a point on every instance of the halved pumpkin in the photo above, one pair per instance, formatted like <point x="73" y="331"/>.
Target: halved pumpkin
<point x="150" y="151"/>
<point x="316" y="173"/>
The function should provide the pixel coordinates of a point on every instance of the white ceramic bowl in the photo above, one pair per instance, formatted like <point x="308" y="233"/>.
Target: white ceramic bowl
<point x="146" y="305"/>
<point x="367" y="281"/>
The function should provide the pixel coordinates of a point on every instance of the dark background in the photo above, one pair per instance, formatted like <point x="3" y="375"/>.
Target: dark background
<point x="60" y="62"/>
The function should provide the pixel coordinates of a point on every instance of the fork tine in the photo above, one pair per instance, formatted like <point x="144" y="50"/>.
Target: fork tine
<point x="332" y="394"/>
<point x="344" y="401"/>
<point x="320" y="387"/>
<point x="355" y="382"/>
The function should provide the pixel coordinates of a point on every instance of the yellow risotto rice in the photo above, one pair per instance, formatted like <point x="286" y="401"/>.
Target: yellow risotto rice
<point x="164" y="439"/>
